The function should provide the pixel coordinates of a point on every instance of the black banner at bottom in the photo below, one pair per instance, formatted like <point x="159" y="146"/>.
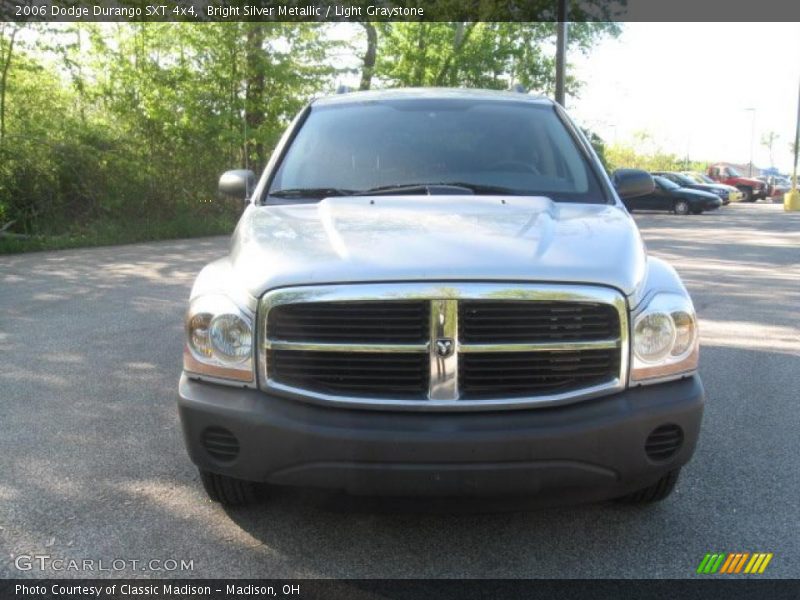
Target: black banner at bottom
<point x="396" y="589"/>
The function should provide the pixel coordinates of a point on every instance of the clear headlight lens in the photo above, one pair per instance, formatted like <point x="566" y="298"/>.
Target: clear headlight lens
<point x="664" y="339"/>
<point x="653" y="336"/>
<point x="219" y="339"/>
<point x="231" y="338"/>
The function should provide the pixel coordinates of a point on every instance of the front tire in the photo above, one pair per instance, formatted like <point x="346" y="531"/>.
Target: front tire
<point x="653" y="493"/>
<point x="227" y="490"/>
<point x="681" y="207"/>
<point x="747" y="194"/>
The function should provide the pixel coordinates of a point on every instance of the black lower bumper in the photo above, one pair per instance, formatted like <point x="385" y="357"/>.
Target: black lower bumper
<point x="591" y="450"/>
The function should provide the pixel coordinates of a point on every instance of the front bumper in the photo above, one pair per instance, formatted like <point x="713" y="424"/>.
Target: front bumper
<point x="585" y="451"/>
<point x="709" y="203"/>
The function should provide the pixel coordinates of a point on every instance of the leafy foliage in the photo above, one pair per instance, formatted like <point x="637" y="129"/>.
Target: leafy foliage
<point x="619" y="156"/>
<point x="111" y="130"/>
<point x="483" y="54"/>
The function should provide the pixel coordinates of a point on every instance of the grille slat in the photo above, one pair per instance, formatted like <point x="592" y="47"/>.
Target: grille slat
<point x="368" y="322"/>
<point x="561" y="356"/>
<point x="498" y="321"/>
<point x="520" y="373"/>
<point x="333" y="372"/>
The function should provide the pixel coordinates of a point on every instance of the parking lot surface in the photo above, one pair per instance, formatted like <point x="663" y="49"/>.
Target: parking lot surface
<point x="93" y="464"/>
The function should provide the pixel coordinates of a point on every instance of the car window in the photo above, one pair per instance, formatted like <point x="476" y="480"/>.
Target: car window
<point x="665" y="184"/>
<point x="681" y="179"/>
<point x="356" y="147"/>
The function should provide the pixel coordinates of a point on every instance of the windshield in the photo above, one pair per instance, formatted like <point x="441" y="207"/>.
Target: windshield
<point x="665" y="183"/>
<point x="486" y="146"/>
<point x="733" y="172"/>
<point x="682" y="179"/>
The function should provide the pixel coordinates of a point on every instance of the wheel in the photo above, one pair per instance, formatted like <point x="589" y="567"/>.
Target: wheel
<point x="227" y="490"/>
<point x="747" y="194"/>
<point x="681" y="207"/>
<point x="653" y="493"/>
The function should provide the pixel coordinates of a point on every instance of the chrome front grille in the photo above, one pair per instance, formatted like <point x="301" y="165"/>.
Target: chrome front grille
<point x="447" y="346"/>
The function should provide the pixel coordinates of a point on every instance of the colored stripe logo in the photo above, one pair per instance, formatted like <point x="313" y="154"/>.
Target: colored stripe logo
<point x="734" y="563"/>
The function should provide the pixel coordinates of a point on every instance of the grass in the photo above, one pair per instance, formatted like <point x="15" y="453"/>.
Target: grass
<point x="111" y="233"/>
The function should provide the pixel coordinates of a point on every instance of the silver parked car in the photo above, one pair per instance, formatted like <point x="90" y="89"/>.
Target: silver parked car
<point x="439" y="292"/>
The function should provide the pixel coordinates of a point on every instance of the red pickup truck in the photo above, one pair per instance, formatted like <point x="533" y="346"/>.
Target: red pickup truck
<point x="752" y="189"/>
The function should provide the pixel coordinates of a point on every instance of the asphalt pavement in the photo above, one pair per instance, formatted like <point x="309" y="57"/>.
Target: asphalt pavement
<point x="93" y="467"/>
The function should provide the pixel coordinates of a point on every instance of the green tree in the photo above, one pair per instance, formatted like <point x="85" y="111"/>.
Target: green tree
<point x="479" y="54"/>
<point x="768" y="140"/>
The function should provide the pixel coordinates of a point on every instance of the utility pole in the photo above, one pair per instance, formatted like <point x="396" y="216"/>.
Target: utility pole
<point x="561" y="52"/>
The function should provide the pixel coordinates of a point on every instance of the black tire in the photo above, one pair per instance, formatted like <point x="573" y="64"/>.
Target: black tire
<point x="681" y="207"/>
<point x="653" y="493"/>
<point x="748" y="194"/>
<point x="227" y="490"/>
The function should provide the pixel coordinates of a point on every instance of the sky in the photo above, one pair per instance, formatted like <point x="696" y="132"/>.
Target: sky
<point x="688" y="86"/>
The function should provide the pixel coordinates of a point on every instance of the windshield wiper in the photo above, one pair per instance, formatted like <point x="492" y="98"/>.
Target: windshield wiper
<point x="437" y="188"/>
<point x="311" y="193"/>
<point x="434" y="188"/>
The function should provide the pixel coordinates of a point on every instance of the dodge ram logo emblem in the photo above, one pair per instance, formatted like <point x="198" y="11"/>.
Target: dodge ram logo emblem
<point x="444" y="347"/>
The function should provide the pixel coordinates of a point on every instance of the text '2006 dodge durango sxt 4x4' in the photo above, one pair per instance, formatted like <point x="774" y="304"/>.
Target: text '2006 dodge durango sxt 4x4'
<point x="439" y="292"/>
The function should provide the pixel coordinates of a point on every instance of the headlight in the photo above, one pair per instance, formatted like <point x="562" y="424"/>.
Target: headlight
<point x="665" y="339"/>
<point x="219" y="339"/>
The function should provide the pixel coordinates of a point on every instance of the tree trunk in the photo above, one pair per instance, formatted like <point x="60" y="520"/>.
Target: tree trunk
<point x="254" y="93"/>
<point x="369" y="56"/>
<point x="4" y="83"/>
<point x="421" y="58"/>
<point x="460" y="39"/>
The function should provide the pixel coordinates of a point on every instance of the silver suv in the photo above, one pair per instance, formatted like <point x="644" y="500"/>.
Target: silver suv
<point x="439" y="292"/>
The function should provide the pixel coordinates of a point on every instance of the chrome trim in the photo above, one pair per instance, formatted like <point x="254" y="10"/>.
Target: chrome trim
<point x="328" y="347"/>
<point x="540" y="347"/>
<point x="444" y="369"/>
<point x="443" y="390"/>
<point x="664" y="378"/>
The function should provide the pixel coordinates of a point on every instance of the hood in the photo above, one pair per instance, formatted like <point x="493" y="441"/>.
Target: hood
<point x="695" y="193"/>
<point x="711" y="186"/>
<point x="402" y="238"/>
<point x="750" y="181"/>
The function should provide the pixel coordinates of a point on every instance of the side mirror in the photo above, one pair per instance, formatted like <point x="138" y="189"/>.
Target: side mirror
<point x="238" y="183"/>
<point x="632" y="183"/>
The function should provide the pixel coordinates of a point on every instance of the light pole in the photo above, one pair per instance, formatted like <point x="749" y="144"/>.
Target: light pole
<point x="752" y="137"/>
<point x="561" y="52"/>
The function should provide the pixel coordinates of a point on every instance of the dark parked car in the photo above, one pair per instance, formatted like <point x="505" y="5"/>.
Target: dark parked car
<point x="685" y="181"/>
<point x="672" y="197"/>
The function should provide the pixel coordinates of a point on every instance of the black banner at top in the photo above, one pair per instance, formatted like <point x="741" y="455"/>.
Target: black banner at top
<point x="395" y="10"/>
